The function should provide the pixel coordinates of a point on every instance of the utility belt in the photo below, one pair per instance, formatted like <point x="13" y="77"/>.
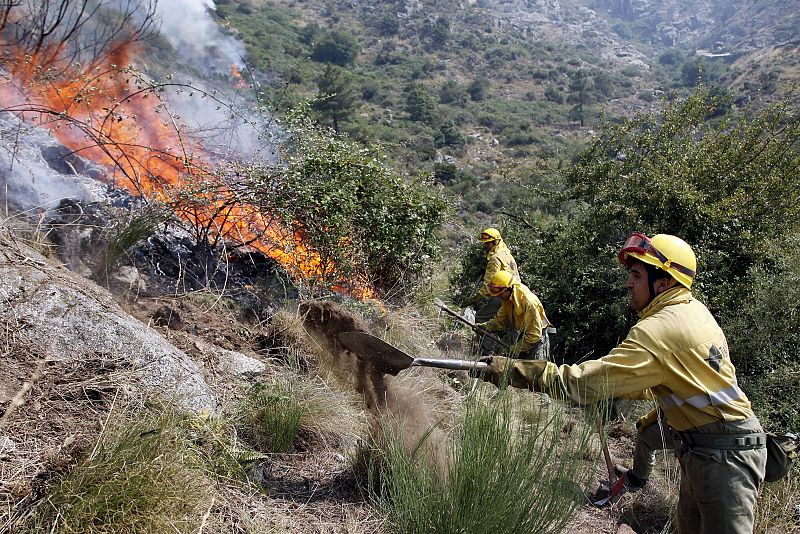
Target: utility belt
<point x="728" y="442"/>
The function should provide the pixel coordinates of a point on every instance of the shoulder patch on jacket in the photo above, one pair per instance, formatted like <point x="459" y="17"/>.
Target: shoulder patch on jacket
<point x="714" y="357"/>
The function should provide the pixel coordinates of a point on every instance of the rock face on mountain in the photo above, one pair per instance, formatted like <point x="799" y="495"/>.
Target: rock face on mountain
<point x="59" y="316"/>
<point x="734" y="26"/>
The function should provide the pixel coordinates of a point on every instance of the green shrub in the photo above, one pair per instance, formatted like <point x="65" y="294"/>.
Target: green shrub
<point x="420" y="105"/>
<point x="452" y="92"/>
<point x="335" y="47"/>
<point x="477" y="89"/>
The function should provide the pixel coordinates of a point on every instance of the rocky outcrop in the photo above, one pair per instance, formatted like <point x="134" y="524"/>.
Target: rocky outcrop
<point x="734" y="26"/>
<point x="55" y="314"/>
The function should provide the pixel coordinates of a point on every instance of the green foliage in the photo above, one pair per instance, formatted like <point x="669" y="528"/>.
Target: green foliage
<point x="670" y="57"/>
<point x="579" y="87"/>
<point x="553" y="94"/>
<point x="468" y="279"/>
<point x="484" y="483"/>
<point x="452" y="92"/>
<point x="420" y="105"/>
<point x="448" y="174"/>
<point x="449" y="135"/>
<point x="269" y="416"/>
<point x="354" y="210"/>
<point x="335" y="47"/>
<point x="603" y="84"/>
<point x="766" y="331"/>
<point x="701" y="71"/>
<point x="440" y="31"/>
<point x="478" y="88"/>
<point x="388" y="24"/>
<point x="337" y="100"/>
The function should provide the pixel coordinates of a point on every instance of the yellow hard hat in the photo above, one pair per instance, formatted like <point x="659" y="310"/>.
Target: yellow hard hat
<point x="501" y="281"/>
<point x="667" y="252"/>
<point x="490" y="234"/>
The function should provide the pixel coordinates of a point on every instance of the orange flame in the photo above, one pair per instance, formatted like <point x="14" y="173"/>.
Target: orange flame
<point x="238" y="80"/>
<point x="111" y="117"/>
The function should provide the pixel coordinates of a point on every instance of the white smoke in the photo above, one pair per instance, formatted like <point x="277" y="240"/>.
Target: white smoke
<point x="33" y="178"/>
<point x="201" y="46"/>
<point x="189" y="26"/>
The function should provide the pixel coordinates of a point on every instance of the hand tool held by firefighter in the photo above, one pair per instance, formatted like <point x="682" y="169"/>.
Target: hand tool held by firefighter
<point x="391" y="360"/>
<point x="475" y="327"/>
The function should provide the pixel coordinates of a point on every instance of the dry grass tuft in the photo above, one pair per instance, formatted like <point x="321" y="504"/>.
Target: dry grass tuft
<point x="778" y="506"/>
<point x="143" y="476"/>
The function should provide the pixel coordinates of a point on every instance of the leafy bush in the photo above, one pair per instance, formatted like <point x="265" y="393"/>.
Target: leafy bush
<point x="553" y="94"/>
<point x="420" y="105"/>
<point x="449" y="135"/>
<point x="336" y="47"/>
<point x="355" y="212"/>
<point x="477" y="89"/>
<point x="452" y="92"/>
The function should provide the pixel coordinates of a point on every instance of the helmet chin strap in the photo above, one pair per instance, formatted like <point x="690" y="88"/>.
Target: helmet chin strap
<point x="651" y="284"/>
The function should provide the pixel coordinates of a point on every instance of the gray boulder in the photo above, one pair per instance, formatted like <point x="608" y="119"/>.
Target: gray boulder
<point x="58" y="315"/>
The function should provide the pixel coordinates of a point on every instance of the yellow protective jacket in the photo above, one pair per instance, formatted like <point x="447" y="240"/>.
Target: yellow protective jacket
<point x="676" y="349"/>
<point x="523" y="311"/>
<point x="498" y="259"/>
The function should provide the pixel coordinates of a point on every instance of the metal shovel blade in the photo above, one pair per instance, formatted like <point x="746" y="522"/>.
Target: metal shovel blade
<point x="391" y="360"/>
<point x="385" y="357"/>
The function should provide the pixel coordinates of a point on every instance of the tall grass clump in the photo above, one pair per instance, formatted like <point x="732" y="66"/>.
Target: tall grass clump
<point x="501" y="474"/>
<point x="778" y="505"/>
<point x="143" y="476"/>
<point x="269" y="416"/>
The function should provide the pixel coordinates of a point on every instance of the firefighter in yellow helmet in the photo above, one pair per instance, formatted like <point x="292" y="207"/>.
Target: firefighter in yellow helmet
<point x="498" y="258"/>
<point x="523" y="311"/>
<point x="678" y="352"/>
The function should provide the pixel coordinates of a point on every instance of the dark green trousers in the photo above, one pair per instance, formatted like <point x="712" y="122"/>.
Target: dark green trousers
<point x="719" y="487"/>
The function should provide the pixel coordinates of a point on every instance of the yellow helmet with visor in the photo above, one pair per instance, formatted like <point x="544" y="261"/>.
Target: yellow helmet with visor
<point x="501" y="281"/>
<point x="667" y="252"/>
<point x="490" y="234"/>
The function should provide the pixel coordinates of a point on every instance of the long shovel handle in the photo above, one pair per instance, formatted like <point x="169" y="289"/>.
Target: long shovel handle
<point x="612" y="477"/>
<point x="458" y="365"/>
<point x="473" y="325"/>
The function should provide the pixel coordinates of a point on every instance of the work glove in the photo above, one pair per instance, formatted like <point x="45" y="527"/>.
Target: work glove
<point x="536" y="375"/>
<point x="469" y="314"/>
<point x="498" y="365"/>
<point x="647" y="420"/>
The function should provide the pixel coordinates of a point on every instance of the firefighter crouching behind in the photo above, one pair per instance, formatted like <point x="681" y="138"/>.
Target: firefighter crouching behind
<point x="679" y="352"/>
<point x="523" y="311"/>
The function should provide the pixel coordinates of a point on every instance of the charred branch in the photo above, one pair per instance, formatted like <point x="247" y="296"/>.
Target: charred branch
<point x="56" y="34"/>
